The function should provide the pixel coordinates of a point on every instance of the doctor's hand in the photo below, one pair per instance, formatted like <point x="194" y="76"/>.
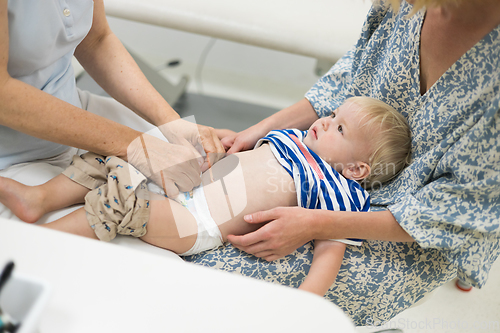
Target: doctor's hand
<point x="201" y="138"/>
<point x="172" y="167"/>
<point x="288" y="228"/>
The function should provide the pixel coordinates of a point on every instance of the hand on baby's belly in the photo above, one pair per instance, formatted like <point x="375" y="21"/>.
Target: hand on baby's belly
<point x="245" y="183"/>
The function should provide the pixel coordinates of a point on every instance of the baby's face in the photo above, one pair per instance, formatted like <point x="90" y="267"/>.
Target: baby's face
<point x="338" y="139"/>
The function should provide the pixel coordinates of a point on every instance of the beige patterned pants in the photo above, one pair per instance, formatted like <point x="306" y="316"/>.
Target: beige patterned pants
<point x="118" y="202"/>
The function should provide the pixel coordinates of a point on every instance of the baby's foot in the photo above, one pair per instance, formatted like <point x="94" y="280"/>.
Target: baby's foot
<point x="24" y="201"/>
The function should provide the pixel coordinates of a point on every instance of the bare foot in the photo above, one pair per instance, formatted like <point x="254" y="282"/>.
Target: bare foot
<point x="24" y="201"/>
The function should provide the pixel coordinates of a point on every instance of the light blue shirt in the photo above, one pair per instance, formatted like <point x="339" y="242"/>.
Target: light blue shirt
<point x="43" y="36"/>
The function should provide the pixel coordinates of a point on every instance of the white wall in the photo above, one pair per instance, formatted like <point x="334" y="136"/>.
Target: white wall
<point x="230" y="70"/>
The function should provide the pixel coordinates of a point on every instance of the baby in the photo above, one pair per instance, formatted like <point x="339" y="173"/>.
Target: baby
<point x="363" y="143"/>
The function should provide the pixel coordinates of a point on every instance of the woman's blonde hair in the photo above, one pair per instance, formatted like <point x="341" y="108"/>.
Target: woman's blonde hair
<point x="391" y="140"/>
<point x="419" y="4"/>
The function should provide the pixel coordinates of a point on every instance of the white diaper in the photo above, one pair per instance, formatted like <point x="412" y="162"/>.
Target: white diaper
<point x="209" y="236"/>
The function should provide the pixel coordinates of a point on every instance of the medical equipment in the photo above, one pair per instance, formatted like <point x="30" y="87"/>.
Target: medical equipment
<point x="7" y="323"/>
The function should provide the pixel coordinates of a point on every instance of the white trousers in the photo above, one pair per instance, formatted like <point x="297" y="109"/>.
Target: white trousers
<point x="41" y="171"/>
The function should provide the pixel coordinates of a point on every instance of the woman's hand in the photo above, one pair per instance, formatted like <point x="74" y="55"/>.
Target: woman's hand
<point x="287" y="229"/>
<point x="299" y="115"/>
<point x="243" y="140"/>
<point x="223" y="133"/>
<point x="201" y="138"/>
<point x="173" y="167"/>
<point x="212" y="146"/>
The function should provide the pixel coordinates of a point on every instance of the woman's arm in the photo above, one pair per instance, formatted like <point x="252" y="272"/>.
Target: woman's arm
<point x="288" y="228"/>
<point x="325" y="266"/>
<point x="121" y="78"/>
<point x="300" y="115"/>
<point x="108" y="62"/>
<point x="31" y="111"/>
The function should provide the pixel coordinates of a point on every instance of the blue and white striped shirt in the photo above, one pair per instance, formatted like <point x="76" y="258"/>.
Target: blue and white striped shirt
<point x="317" y="184"/>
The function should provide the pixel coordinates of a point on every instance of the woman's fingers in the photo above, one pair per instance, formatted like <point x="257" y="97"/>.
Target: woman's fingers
<point x="260" y="241"/>
<point x="170" y="166"/>
<point x="227" y="142"/>
<point x="271" y="257"/>
<point x="224" y="133"/>
<point x="238" y="145"/>
<point x="287" y="229"/>
<point x="245" y="241"/>
<point x="184" y="182"/>
<point x="203" y="138"/>
<point x="170" y="189"/>
<point x="259" y="249"/>
<point x="241" y="142"/>
<point x="262" y="216"/>
<point x="211" y="142"/>
<point x="266" y="254"/>
<point x="211" y="146"/>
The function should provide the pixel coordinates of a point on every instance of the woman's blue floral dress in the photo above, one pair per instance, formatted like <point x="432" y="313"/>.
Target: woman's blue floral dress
<point x="448" y="199"/>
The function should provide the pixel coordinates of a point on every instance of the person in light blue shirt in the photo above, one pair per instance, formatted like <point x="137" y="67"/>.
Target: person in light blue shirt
<point x="440" y="218"/>
<point x="42" y="113"/>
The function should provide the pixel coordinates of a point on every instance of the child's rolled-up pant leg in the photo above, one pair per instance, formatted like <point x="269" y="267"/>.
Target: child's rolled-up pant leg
<point x="88" y="170"/>
<point x="118" y="203"/>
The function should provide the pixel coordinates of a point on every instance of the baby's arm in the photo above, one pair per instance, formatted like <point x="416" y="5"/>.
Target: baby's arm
<point x="325" y="266"/>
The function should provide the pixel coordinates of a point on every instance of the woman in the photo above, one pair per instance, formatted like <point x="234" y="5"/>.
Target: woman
<point x="440" y="217"/>
<point x="41" y="112"/>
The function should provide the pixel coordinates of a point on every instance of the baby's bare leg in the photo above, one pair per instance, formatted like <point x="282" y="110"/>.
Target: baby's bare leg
<point x="74" y="223"/>
<point x="171" y="226"/>
<point x="162" y="228"/>
<point x="29" y="203"/>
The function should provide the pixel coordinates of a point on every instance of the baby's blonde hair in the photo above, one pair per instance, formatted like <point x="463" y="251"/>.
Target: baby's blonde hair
<point x="391" y="140"/>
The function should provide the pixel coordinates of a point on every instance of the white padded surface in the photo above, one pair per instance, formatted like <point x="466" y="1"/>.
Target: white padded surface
<point x="98" y="287"/>
<point x="323" y="29"/>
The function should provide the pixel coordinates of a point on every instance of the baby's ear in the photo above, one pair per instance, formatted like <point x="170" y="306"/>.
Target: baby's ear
<point x="358" y="171"/>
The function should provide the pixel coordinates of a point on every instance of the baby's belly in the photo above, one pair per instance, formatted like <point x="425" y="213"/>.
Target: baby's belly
<point x="245" y="183"/>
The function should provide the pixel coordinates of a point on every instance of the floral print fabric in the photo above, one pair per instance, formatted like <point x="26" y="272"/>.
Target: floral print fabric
<point x="447" y="199"/>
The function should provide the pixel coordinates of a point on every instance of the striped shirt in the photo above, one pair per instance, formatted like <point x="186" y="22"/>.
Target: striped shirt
<point x="317" y="184"/>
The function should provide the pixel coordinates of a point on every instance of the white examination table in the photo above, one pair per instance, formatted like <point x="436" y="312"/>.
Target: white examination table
<point x="99" y="287"/>
<point x="322" y="29"/>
